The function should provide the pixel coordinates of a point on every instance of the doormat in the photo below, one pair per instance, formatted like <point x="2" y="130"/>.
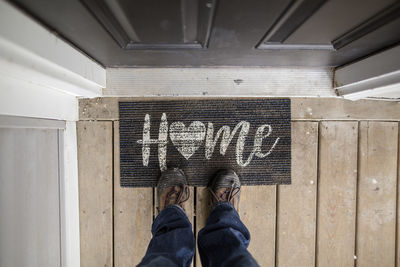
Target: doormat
<point x="251" y="136"/>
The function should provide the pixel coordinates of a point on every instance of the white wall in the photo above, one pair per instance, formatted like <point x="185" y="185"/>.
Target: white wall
<point x="42" y="76"/>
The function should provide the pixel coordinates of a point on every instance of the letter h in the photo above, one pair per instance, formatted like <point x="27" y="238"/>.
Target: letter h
<point x="161" y="141"/>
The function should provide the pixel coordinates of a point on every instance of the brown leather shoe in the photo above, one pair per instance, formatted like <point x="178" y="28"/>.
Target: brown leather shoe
<point x="172" y="189"/>
<point x="225" y="187"/>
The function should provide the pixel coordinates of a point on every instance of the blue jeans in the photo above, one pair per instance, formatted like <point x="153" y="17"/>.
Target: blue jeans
<point x="222" y="242"/>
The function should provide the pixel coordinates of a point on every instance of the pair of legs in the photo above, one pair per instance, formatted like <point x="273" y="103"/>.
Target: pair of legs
<point x="222" y="242"/>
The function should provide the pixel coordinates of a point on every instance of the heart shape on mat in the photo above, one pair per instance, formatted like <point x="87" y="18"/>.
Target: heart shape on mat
<point x="187" y="139"/>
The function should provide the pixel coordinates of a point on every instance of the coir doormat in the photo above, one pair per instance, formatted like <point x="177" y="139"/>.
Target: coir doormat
<point x="252" y="136"/>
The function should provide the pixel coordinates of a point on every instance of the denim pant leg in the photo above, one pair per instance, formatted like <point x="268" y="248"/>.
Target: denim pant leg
<point x="173" y="240"/>
<point x="224" y="239"/>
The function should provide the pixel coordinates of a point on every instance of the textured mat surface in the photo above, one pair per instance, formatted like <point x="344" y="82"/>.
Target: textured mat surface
<point x="252" y="136"/>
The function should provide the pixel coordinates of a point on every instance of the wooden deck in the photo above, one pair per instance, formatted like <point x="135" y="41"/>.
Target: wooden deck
<point x="340" y="210"/>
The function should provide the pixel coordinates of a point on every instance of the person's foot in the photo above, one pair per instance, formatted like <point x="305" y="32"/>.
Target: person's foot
<point x="225" y="187"/>
<point x="172" y="189"/>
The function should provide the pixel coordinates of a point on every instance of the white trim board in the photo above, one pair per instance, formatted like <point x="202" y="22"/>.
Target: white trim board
<point x="70" y="198"/>
<point x="23" y="64"/>
<point x="376" y="65"/>
<point x="360" y="91"/>
<point x="21" y="98"/>
<point x="24" y="122"/>
<point x="219" y="82"/>
<point x="29" y="51"/>
<point x="374" y="76"/>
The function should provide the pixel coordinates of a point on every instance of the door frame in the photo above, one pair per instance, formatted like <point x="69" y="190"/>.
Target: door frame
<point x="68" y="219"/>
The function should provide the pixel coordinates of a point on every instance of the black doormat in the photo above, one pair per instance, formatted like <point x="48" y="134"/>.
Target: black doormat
<point x="252" y="136"/>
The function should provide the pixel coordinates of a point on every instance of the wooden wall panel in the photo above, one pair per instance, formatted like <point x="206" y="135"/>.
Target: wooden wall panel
<point x="133" y="216"/>
<point x="376" y="214"/>
<point x="296" y="222"/>
<point x="95" y="192"/>
<point x="337" y="193"/>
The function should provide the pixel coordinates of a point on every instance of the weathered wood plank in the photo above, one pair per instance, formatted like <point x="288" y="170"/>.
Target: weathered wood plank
<point x="133" y="216"/>
<point x="337" y="193"/>
<point x="257" y="210"/>
<point x="189" y="206"/>
<point x="190" y="211"/>
<point x="376" y="214"/>
<point x="296" y="222"/>
<point x="398" y="200"/>
<point x="302" y="108"/>
<point x="202" y="212"/>
<point x="95" y="192"/>
<point x="341" y="109"/>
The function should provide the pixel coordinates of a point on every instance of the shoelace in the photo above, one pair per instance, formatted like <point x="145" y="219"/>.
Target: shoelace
<point x="232" y="192"/>
<point x="184" y="191"/>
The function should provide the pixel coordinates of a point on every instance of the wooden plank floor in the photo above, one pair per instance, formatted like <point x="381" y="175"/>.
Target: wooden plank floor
<point x="340" y="210"/>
